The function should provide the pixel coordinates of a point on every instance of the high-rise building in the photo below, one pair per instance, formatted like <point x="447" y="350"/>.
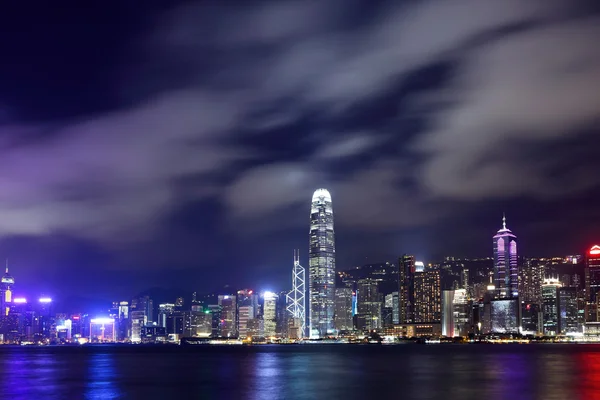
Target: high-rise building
<point x="228" y="315"/>
<point x="531" y="278"/>
<point x="550" y="305"/>
<point x="506" y="270"/>
<point x="296" y="298"/>
<point x="392" y="301"/>
<point x="247" y="302"/>
<point x="406" y="277"/>
<point x="321" y="265"/>
<point x="6" y="293"/>
<point x="343" y="309"/>
<point x="568" y="310"/>
<point x="428" y="296"/>
<point x="592" y="284"/>
<point x="270" y="314"/>
<point x="369" y="305"/>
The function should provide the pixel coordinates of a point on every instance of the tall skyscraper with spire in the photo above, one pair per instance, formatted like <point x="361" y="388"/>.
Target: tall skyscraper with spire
<point x="6" y="292"/>
<point x="321" y="265"/>
<point x="506" y="269"/>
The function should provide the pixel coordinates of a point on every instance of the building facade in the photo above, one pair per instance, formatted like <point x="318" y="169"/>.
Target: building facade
<point x="428" y="307"/>
<point x="506" y="270"/>
<point x="406" y="290"/>
<point x="592" y="284"/>
<point x="343" y="309"/>
<point x="321" y="265"/>
<point x="550" y="306"/>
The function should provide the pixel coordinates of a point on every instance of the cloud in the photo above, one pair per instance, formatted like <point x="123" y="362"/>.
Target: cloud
<point x="112" y="175"/>
<point x="510" y="98"/>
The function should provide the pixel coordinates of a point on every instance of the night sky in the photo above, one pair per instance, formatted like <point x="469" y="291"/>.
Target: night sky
<point x="177" y="144"/>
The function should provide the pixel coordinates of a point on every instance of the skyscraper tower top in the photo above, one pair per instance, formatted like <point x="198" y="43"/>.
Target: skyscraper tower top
<point x="7" y="278"/>
<point x="321" y="194"/>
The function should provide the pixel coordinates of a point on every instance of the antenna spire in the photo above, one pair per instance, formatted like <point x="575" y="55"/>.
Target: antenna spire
<point x="7" y="265"/>
<point x="503" y="221"/>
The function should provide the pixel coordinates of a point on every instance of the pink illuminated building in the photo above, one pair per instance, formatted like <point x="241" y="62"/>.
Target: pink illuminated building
<point x="506" y="269"/>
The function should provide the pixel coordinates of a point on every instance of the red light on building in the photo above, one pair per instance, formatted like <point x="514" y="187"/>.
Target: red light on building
<point x="75" y="318"/>
<point x="595" y="250"/>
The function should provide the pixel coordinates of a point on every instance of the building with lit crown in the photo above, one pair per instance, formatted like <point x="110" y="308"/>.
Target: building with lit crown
<point x="592" y="284"/>
<point x="321" y="265"/>
<point x="506" y="270"/>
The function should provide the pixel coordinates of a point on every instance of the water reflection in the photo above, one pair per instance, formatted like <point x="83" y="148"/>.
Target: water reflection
<point x="302" y="372"/>
<point x="102" y="376"/>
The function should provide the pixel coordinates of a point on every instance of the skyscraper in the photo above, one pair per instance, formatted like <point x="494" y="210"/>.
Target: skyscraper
<point x="296" y="298"/>
<point x="406" y="278"/>
<point x="592" y="284"/>
<point x="343" y="309"/>
<point x="321" y="265"/>
<point x="369" y="305"/>
<point x="550" y="307"/>
<point x="428" y="297"/>
<point x="506" y="270"/>
<point x="6" y="292"/>
<point x="270" y="314"/>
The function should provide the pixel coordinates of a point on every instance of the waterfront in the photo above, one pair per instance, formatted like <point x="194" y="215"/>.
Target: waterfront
<point x="494" y="372"/>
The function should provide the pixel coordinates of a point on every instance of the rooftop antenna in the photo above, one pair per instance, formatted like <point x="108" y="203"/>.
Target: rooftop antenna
<point x="503" y="221"/>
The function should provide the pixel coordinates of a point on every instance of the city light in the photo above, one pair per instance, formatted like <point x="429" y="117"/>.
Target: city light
<point x="45" y="300"/>
<point x="102" y="320"/>
<point x="20" y="300"/>
<point x="269" y="295"/>
<point x="595" y="250"/>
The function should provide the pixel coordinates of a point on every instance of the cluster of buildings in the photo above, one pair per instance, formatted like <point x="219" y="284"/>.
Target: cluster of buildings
<point x="504" y="295"/>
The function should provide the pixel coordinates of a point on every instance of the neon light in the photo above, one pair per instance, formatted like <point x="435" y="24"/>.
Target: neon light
<point x="595" y="250"/>
<point x="20" y="300"/>
<point x="45" y="300"/>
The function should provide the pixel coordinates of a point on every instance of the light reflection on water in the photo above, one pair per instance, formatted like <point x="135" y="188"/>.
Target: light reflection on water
<point x="102" y="377"/>
<point x="302" y="372"/>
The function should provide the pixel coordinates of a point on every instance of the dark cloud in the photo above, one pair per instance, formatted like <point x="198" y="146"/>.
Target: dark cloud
<point x="219" y="122"/>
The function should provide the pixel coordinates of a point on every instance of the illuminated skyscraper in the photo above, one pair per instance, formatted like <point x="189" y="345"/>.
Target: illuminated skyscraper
<point x="270" y="314"/>
<point x="6" y="292"/>
<point x="506" y="270"/>
<point x="428" y="296"/>
<point x="296" y="298"/>
<point x="550" y="307"/>
<point x="406" y="277"/>
<point x="228" y="315"/>
<point x="369" y="305"/>
<point x="592" y="284"/>
<point x="321" y="265"/>
<point x="343" y="309"/>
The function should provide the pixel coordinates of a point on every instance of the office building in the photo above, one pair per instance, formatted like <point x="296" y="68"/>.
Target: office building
<point x="550" y="305"/>
<point x="270" y="314"/>
<point x="592" y="284"/>
<point x="343" y="309"/>
<point x="321" y="265"/>
<point x="228" y="315"/>
<point x="392" y="301"/>
<point x="506" y="270"/>
<point x="369" y="305"/>
<point x="427" y="296"/>
<point x="531" y="279"/>
<point x="568" y="311"/>
<point x="406" y="276"/>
